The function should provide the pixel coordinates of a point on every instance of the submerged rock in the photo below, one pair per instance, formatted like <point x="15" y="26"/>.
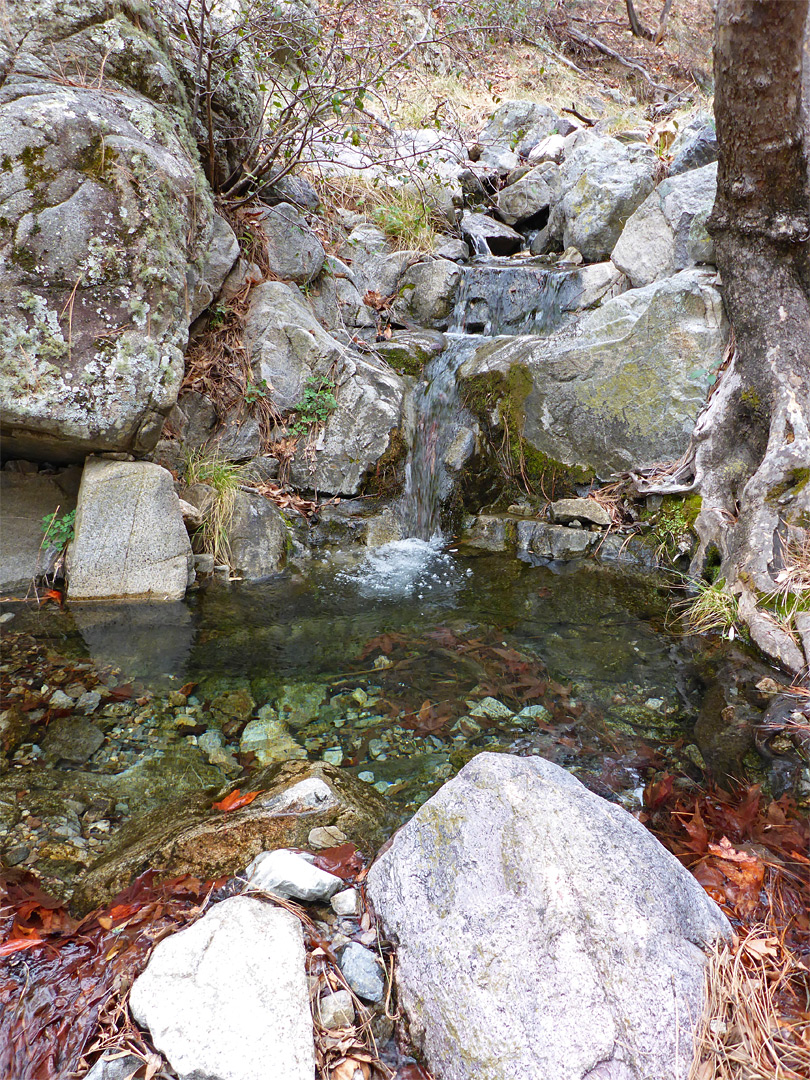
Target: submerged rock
<point x="516" y="851"/>
<point x="190" y="837"/>
<point x="227" y="998"/>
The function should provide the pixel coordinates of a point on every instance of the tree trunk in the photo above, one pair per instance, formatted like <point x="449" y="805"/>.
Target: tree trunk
<point x="751" y="447"/>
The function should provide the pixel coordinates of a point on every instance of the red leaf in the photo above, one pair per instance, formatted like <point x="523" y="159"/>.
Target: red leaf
<point x="235" y="801"/>
<point x="9" y="947"/>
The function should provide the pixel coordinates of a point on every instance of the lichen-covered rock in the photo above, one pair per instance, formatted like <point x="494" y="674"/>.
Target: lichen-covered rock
<point x="619" y="389"/>
<point x="530" y="196"/>
<point x="358" y="433"/>
<point x="668" y="231"/>
<point x="130" y="538"/>
<point x="694" y="146"/>
<point x="105" y="229"/>
<point x="521" y="125"/>
<point x="602" y="182"/>
<point x="542" y="931"/>
<point x="190" y="837"/>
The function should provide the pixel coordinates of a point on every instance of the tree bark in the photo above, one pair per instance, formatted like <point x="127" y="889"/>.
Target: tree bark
<point x="751" y="448"/>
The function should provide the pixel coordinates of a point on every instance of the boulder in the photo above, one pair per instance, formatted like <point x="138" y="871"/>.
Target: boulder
<point x="586" y="511"/>
<point x="239" y="438"/>
<point x="227" y="998"/>
<point x="27" y="499"/>
<point x="257" y="537"/>
<point x="515" y="851"/>
<point x="294" y="252"/>
<point x="521" y="125"/>
<point x="602" y="182"/>
<point x="104" y="243"/>
<point x="188" y="837"/>
<point x="621" y="388"/>
<point x="554" y="542"/>
<point x="336" y="300"/>
<point x="407" y="351"/>
<point x="668" y="231"/>
<point x="529" y="199"/>
<point x="286" y="342"/>
<point x="486" y="236"/>
<point x="427" y="293"/>
<point x="552" y="148"/>
<point x="694" y="146"/>
<point x="359" y="431"/>
<point x="130" y="540"/>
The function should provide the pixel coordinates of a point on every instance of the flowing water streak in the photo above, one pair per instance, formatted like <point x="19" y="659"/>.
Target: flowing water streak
<point x="496" y="297"/>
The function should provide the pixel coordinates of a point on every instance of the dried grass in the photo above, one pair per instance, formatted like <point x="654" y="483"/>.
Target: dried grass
<point x="747" y="1032"/>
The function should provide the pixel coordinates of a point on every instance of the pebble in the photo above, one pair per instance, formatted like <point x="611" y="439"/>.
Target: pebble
<point x="288" y="875"/>
<point x="60" y="700"/>
<point x="362" y="972"/>
<point x="333" y="756"/>
<point x="326" y="836"/>
<point x="14" y="856"/>
<point x="367" y="777"/>
<point x="88" y="702"/>
<point x="336" y="1010"/>
<point x="346" y="902"/>
<point x="489" y="707"/>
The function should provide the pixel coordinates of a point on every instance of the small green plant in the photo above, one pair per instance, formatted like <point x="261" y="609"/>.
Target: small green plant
<point x="217" y="314"/>
<point x="58" y="530"/>
<point x="317" y="403"/>
<point x="256" y="392"/>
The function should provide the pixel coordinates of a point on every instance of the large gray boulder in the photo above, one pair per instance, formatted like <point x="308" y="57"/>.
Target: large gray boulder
<point x="521" y="125"/>
<point x="357" y="434"/>
<point x="130" y="540"/>
<point x="103" y="242"/>
<point x="621" y="388"/>
<point x="694" y="146"/>
<point x="602" y="182"/>
<point x="427" y="292"/>
<point x="542" y="932"/>
<point x="227" y="998"/>
<point x="668" y="231"/>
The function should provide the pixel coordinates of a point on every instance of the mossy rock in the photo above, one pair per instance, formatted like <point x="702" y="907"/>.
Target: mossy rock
<point x="189" y="837"/>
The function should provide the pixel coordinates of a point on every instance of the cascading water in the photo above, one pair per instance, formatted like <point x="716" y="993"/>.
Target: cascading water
<point x="496" y="297"/>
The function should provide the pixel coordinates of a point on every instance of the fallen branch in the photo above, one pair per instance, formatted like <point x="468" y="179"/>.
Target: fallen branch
<point x="600" y="46"/>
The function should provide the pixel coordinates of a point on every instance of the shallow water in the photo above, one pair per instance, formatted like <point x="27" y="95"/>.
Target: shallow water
<point x="388" y="664"/>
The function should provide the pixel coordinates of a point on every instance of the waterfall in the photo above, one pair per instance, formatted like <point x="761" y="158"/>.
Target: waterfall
<point x="496" y="297"/>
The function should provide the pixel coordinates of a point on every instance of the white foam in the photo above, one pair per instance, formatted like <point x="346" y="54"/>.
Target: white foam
<point x="405" y="568"/>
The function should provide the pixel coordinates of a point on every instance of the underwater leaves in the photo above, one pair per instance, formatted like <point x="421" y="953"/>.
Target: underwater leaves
<point x="235" y="800"/>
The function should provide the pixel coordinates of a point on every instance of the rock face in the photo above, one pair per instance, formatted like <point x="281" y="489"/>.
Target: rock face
<point x="130" y="540"/>
<point x="602" y="183"/>
<point x="622" y="388"/>
<point x="294" y="251"/>
<point x="258" y="537"/>
<point x="668" y="231"/>
<point x="26" y="499"/>
<point x="227" y="998"/>
<point x="358" y="433"/>
<point x="190" y="837"/>
<point x="542" y="931"/>
<point x="109" y="243"/>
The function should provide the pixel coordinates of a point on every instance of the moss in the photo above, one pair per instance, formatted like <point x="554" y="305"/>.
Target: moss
<point x="794" y="482"/>
<point x="498" y="399"/>
<point x="97" y="160"/>
<point x="36" y="171"/>
<point x="673" y="522"/>
<point x="386" y="480"/>
<point x="751" y="399"/>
